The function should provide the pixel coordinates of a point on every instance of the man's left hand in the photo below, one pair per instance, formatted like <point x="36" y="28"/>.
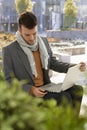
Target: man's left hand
<point x="82" y="66"/>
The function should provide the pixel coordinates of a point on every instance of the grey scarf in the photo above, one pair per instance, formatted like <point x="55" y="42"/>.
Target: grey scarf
<point x="39" y="44"/>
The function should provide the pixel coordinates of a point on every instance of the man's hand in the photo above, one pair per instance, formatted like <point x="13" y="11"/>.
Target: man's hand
<point x="37" y="91"/>
<point x="82" y="66"/>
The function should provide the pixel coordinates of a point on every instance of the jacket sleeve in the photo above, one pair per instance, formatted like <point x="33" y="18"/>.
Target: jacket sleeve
<point x="55" y="64"/>
<point x="8" y="69"/>
<point x="58" y="66"/>
<point x="7" y="64"/>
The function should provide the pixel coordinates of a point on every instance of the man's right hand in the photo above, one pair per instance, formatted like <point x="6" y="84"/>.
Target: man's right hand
<point x="37" y="91"/>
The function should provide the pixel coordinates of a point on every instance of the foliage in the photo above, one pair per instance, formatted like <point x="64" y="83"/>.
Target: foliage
<point x="23" y="5"/>
<point x="20" y="111"/>
<point x="70" y="11"/>
<point x="5" y="39"/>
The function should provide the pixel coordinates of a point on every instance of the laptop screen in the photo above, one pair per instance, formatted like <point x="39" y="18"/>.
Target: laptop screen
<point x="71" y="77"/>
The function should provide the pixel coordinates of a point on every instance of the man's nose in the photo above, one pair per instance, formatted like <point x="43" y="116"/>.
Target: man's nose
<point x="31" y="37"/>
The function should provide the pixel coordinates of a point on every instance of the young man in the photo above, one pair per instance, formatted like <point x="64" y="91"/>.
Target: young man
<point x="30" y="57"/>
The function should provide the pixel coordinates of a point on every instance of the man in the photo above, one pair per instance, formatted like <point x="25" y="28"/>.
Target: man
<point x="29" y="58"/>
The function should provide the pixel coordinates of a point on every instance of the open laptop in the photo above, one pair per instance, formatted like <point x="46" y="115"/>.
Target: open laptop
<point x="70" y="79"/>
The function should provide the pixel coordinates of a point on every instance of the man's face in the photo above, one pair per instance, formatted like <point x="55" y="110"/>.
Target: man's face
<point x="29" y="35"/>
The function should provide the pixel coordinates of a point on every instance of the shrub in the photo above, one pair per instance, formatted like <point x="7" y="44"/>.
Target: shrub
<point x="20" y="111"/>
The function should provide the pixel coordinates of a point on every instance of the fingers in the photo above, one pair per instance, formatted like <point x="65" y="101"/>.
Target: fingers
<point x="37" y="91"/>
<point x="82" y="66"/>
<point x="42" y="92"/>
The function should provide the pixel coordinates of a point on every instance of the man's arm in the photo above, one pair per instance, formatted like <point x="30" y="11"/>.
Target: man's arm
<point x="8" y="69"/>
<point x="7" y="64"/>
<point x="55" y="64"/>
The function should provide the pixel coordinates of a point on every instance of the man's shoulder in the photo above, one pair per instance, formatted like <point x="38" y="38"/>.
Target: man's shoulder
<point x="11" y="44"/>
<point x="45" y="40"/>
<point x="43" y="37"/>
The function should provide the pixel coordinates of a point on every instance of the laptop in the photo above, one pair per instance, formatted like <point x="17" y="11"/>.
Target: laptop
<point x="70" y="79"/>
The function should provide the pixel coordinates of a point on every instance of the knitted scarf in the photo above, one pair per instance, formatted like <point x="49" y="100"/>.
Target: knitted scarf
<point x="27" y="48"/>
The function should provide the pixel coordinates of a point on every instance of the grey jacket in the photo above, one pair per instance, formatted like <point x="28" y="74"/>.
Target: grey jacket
<point x="15" y="63"/>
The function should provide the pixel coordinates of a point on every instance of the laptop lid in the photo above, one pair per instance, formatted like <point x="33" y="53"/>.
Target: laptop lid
<point x="71" y="77"/>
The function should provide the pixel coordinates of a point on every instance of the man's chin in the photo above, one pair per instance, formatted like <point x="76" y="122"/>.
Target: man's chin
<point x="31" y="43"/>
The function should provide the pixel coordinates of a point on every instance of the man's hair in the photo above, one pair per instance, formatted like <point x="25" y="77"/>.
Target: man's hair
<point x="27" y="19"/>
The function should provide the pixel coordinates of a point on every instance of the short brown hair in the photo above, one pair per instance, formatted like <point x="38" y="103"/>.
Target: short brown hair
<point x="27" y="19"/>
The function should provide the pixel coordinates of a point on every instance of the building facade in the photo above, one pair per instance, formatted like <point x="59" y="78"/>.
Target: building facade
<point x="49" y="13"/>
<point x="8" y="16"/>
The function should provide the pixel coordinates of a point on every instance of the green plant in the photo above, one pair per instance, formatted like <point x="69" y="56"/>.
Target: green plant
<point x="70" y="13"/>
<point x="20" y="111"/>
<point x="23" y="5"/>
